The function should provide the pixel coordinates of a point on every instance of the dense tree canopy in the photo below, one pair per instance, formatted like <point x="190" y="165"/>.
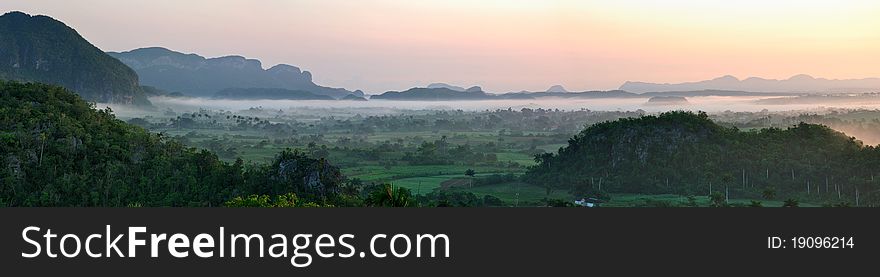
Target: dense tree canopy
<point x="687" y="153"/>
<point x="58" y="150"/>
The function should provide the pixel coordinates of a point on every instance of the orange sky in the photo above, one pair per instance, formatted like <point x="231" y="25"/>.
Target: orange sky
<point x="502" y="45"/>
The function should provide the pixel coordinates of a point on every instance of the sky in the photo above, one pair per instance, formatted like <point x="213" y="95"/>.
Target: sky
<point x="501" y="45"/>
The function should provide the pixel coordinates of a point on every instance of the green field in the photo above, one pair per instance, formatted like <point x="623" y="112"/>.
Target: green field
<point x="520" y="158"/>
<point x="398" y="172"/>
<point x="422" y="149"/>
<point x="422" y="185"/>
<point x="552" y="148"/>
<point x="518" y="193"/>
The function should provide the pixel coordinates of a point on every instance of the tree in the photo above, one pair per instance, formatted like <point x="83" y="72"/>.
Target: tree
<point x="288" y="200"/>
<point x="99" y="160"/>
<point x="470" y="172"/>
<point x="386" y="196"/>
<point x="639" y="155"/>
<point x="769" y="193"/>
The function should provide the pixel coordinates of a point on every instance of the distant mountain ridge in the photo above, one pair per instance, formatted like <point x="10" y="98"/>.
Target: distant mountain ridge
<point x="41" y="49"/>
<point x="268" y="94"/>
<point x="712" y="92"/>
<point x="196" y="75"/>
<point x="557" y="89"/>
<point x="443" y="92"/>
<point x="796" y="84"/>
<point x="446" y="86"/>
<point x="454" y="88"/>
<point x="435" y="94"/>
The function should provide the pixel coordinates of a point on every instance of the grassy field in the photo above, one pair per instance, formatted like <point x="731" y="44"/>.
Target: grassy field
<point x="386" y="156"/>
<point x="422" y="185"/>
<point x="552" y="148"/>
<point x="520" y="158"/>
<point x="422" y="179"/>
<point x="516" y="192"/>
<point x="397" y="172"/>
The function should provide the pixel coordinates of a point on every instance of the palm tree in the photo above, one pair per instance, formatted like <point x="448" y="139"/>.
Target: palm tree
<point x="387" y="196"/>
<point x="470" y="173"/>
<point x="769" y="193"/>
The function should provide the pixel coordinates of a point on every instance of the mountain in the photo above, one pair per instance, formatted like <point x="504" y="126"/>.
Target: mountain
<point x="682" y="152"/>
<point x="454" y="88"/>
<point x="195" y="75"/>
<point x="269" y="94"/>
<point x="352" y="97"/>
<point x="474" y="89"/>
<point x="446" y="86"/>
<point x="435" y="94"/>
<point x="446" y="94"/>
<point x="57" y="150"/>
<point x="798" y="83"/>
<point x="42" y="49"/>
<point x="440" y="93"/>
<point x="558" y="91"/>
<point x="557" y="88"/>
<point x="713" y="93"/>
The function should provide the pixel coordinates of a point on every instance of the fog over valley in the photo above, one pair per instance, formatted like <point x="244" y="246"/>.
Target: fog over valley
<point x="431" y="119"/>
<point x="710" y="104"/>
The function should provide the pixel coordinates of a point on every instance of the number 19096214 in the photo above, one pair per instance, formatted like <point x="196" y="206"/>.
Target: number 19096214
<point x="816" y="242"/>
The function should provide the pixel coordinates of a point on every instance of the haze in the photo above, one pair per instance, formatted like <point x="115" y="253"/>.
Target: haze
<point x="501" y="45"/>
<point x="712" y="104"/>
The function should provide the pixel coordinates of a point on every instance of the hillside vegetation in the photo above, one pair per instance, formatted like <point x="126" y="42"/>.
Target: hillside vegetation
<point x="42" y="49"/>
<point x="688" y="154"/>
<point x="58" y="150"/>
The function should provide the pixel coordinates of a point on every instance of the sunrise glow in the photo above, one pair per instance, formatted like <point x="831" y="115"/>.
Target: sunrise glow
<point x="501" y="45"/>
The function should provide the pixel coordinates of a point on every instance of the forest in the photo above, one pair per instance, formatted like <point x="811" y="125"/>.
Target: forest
<point x="686" y="153"/>
<point x="59" y="150"/>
